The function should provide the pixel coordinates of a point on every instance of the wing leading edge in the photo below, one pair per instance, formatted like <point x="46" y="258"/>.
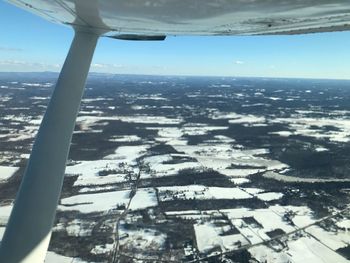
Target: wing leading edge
<point x="195" y="17"/>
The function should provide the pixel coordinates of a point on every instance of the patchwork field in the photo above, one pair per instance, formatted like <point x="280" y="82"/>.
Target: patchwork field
<point x="189" y="169"/>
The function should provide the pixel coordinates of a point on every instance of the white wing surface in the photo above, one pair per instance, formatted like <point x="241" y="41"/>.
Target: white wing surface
<point x="196" y="17"/>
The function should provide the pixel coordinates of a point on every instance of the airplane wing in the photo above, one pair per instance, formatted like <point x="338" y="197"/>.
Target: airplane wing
<point x="196" y="17"/>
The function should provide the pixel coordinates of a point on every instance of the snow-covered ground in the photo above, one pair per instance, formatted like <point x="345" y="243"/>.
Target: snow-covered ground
<point x="302" y="124"/>
<point x="236" y="118"/>
<point x="125" y="138"/>
<point x="5" y="212"/>
<point x="52" y="257"/>
<point x="6" y="172"/>
<point x="161" y="165"/>
<point x="288" y="178"/>
<point x="144" y="119"/>
<point x="308" y="249"/>
<point x="200" y="192"/>
<point x="164" y="143"/>
<point x="332" y="239"/>
<point x="113" y="167"/>
<point x="76" y="227"/>
<point x="143" y="239"/>
<point x="269" y="196"/>
<point x="115" y="200"/>
<point x="209" y="237"/>
<point x="220" y="157"/>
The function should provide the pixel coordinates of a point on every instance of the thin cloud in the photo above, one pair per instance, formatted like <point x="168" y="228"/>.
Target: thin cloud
<point x="104" y="65"/>
<point x="28" y="64"/>
<point x="11" y="49"/>
<point x="239" y="62"/>
<point x="97" y="65"/>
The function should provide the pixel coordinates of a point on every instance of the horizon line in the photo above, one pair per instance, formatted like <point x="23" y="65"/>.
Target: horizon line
<point x="180" y="75"/>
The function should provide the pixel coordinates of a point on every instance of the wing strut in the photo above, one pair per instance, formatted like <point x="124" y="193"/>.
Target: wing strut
<point x="28" y="231"/>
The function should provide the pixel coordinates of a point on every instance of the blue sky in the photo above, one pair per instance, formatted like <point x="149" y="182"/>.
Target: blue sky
<point x="30" y="43"/>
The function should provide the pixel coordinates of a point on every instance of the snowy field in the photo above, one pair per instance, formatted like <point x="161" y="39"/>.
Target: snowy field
<point x="6" y="172"/>
<point x="167" y="169"/>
